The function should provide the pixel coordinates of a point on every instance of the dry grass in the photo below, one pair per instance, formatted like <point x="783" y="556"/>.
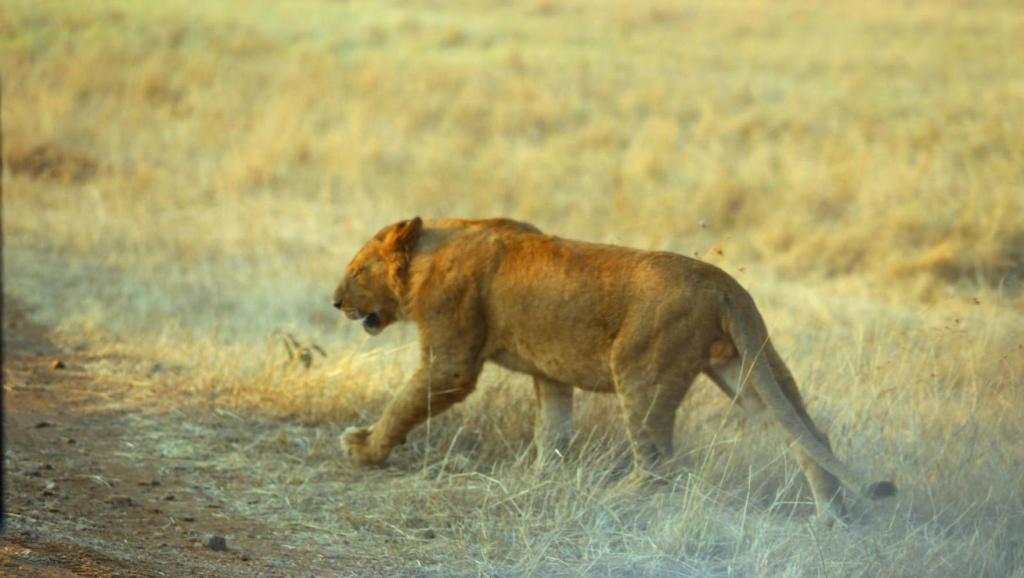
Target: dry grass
<point x="184" y="179"/>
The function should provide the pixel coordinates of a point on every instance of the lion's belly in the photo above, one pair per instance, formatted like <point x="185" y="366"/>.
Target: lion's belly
<point x="587" y="374"/>
<point x="511" y="361"/>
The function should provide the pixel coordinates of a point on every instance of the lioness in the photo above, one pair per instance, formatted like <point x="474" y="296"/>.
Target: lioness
<point x="598" y="317"/>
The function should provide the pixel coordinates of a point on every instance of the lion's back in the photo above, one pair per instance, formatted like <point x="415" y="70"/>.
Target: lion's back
<point x="496" y="225"/>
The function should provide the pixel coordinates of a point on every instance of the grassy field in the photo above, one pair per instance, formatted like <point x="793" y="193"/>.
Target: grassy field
<point x="183" y="181"/>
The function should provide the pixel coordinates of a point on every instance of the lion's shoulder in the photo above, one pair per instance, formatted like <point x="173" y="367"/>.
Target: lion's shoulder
<point x="459" y="239"/>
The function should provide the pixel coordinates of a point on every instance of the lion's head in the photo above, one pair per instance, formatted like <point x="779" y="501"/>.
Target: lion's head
<point x="373" y="286"/>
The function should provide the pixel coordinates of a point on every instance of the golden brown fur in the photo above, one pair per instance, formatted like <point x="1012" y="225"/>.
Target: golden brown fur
<point x="602" y="318"/>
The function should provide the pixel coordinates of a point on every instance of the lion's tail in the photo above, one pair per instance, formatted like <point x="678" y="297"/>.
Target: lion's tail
<point x="748" y="332"/>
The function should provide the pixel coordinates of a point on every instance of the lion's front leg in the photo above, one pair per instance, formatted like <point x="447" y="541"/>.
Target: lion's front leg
<point x="432" y="390"/>
<point x="553" y="427"/>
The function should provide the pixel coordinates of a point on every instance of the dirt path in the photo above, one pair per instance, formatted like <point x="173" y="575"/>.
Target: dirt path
<point x="81" y="499"/>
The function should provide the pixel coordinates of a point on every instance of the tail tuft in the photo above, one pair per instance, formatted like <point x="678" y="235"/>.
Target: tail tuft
<point x="877" y="490"/>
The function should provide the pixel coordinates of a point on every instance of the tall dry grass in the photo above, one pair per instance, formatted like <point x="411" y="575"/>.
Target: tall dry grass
<point x="183" y="180"/>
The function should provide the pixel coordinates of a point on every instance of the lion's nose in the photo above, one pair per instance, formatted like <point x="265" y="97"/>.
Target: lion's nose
<point x="337" y="303"/>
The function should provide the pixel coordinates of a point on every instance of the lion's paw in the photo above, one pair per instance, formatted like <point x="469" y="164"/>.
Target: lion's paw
<point x="355" y="443"/>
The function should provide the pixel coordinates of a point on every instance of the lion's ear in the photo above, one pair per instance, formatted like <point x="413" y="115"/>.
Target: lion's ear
<point x="405" y="234"/>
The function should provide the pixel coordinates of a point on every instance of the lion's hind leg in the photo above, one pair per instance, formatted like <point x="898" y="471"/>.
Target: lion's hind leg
<point x="553" y="426"/>
<point x="650" y="408"/>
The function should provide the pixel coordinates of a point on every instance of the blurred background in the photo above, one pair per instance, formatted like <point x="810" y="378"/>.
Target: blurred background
<point x="198" y="151"/>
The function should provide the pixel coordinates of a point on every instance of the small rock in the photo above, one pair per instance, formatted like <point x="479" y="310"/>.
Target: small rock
<point x="428" y="534"/>
<point x="169" y="498"/>
<point x="43" y="424"/>
<point x="119" y="501"/>
<point x="244" y="557"/>
<point x="188" y="519"/>
<point x="38" y="472"/>
<point x="215" y="542"/>
<point x="58" y="364"/>
<point x="150" y="483"/>
<point x="70" y="441"/>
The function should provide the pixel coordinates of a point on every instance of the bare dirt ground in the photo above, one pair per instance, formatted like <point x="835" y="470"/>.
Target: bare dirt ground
<point x="81" y="499"/>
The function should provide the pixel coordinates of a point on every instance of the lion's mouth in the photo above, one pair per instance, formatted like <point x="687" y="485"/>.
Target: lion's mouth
<point x="371" y="323"/>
